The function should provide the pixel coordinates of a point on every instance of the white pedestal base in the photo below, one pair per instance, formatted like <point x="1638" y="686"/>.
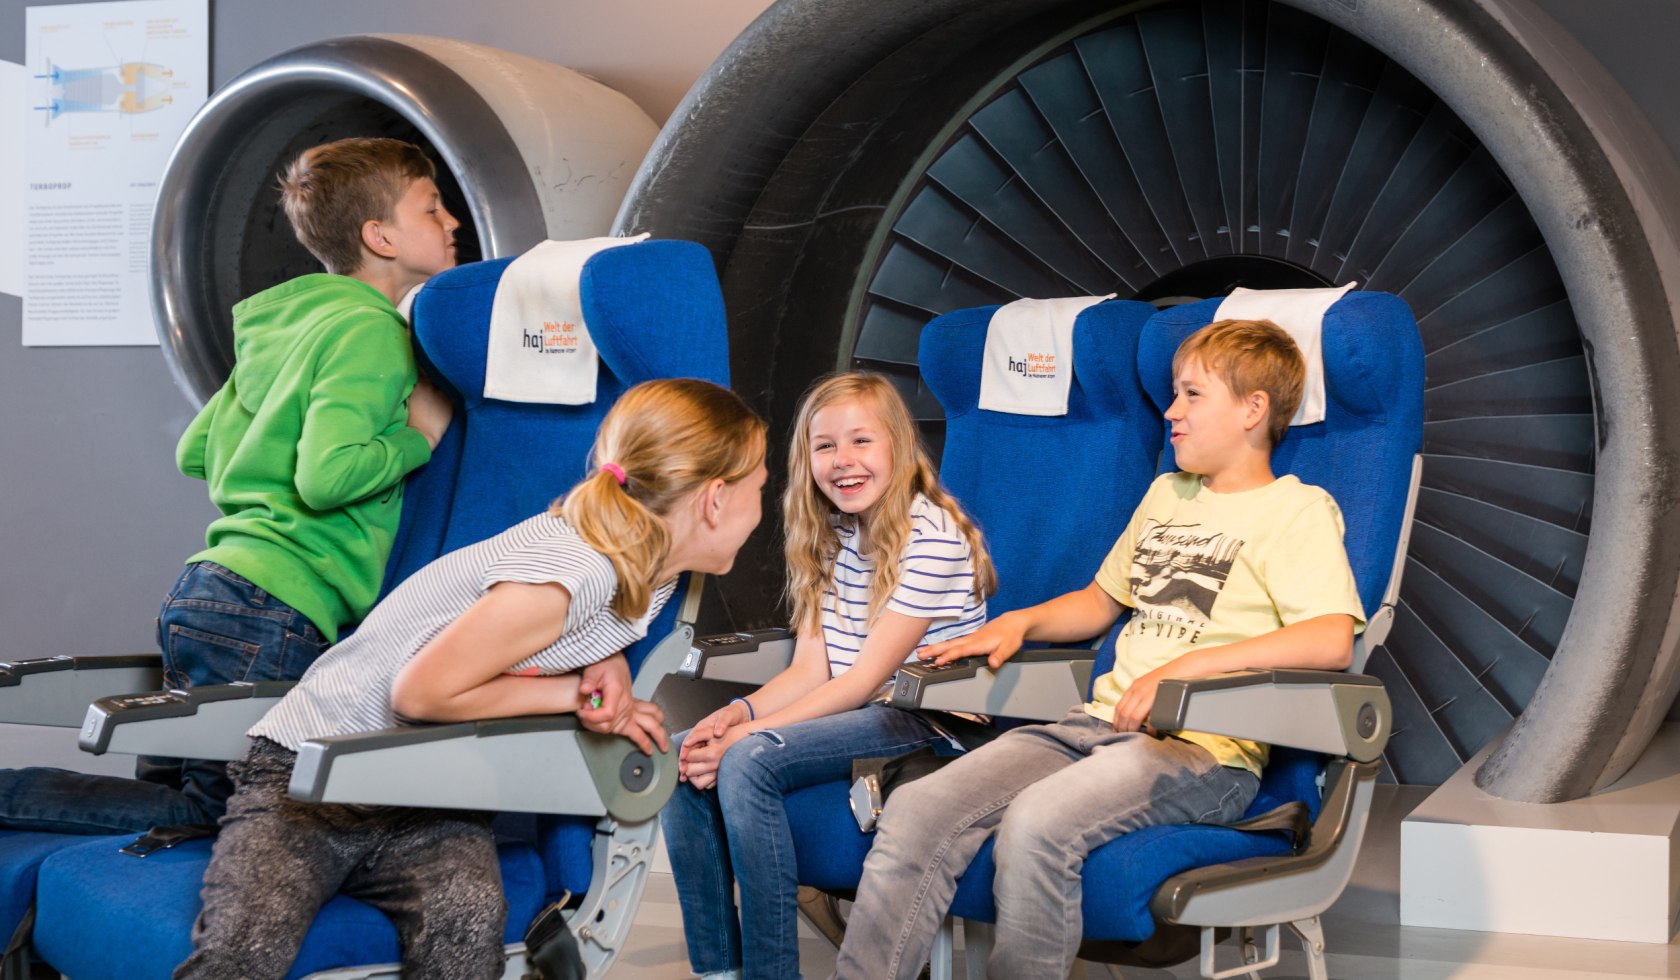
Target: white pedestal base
<point x="1606" y="867"/>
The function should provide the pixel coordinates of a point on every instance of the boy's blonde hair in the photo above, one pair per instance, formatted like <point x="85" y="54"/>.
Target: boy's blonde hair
<point x="670" y="437"/>
<point x="1250" y="356"/>
<point x="330" y="190"/>
<point x="812" y="541"/>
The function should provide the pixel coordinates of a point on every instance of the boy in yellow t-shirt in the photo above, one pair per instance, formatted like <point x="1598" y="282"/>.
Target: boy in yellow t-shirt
<point x="1225" y="567"/>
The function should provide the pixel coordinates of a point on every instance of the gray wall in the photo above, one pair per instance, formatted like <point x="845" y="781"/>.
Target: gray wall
<point x="94" y="521"/>
<point x="1634" y="40"/>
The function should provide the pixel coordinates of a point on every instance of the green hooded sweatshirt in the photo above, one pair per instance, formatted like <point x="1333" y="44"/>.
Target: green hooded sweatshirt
<point x="306" y="446"/>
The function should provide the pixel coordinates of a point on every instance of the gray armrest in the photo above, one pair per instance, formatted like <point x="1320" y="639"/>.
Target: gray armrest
<point x="1036" y="684"/>
<point x="1321" y="710"/>
<point x="56" y="691"/>
<point x="539" y="764"/>
<point x="1382" y="619"/>
<point x="752" y="657"/>
<point x="200" y="723"/>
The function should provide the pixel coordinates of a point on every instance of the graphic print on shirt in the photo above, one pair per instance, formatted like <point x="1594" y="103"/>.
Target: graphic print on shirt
<point x="1178" y="571"/>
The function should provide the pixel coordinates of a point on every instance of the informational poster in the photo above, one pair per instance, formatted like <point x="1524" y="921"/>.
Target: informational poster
<point x="110" y="88"/>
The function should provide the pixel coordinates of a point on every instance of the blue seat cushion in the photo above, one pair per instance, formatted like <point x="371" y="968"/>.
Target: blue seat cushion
<point x="567" y="851"/>
<point x="21" y="854"/>
<point x="828" y="848"/>
<point x="105" y="914"/>
<point x="1122" y="876"/>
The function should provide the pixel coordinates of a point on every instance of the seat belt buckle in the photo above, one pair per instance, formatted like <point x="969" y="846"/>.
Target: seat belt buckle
<point x="866" y="801"/>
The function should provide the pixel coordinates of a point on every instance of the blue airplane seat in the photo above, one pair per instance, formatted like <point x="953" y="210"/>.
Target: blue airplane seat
<point x="427" y="493"/>
<point x="21" y="854"/>
<point x="1364" y="454"/>
<point x="138" y="922"/>
<point x="654" y="310"/>
<point x="1050" y="493"/>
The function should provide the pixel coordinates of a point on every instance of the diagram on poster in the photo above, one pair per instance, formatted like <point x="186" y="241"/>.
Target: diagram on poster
<point x="111" y="87"/>
<point x="133" y="86"/>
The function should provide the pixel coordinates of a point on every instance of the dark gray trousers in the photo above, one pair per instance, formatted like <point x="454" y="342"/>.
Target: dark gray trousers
<point x="434" y="873"/>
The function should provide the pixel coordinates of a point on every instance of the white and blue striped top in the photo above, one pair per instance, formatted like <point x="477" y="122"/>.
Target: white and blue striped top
<point x="348" y="690"/>
<point x="935" y="581"/>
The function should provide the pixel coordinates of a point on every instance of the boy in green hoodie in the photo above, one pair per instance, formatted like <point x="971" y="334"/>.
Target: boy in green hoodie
<point x="305" y="449"/>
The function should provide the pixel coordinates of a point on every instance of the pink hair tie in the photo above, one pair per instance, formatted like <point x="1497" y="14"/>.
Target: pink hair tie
<point x="616" y="470"/>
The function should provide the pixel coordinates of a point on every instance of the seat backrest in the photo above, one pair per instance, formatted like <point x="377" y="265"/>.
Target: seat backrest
<point x="427" y="494"/>
<point x="1051" y="493"/>
<point x="654" y="311"/>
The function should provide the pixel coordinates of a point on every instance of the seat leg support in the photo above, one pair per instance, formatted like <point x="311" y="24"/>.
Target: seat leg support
<point x="622" y="855"/>
<point x="14" y="962"/>
<point x="821" y="911"/>
<point x="939" y="963"/>
<point x="1253" y="959"/>
<point x="1311" y="933"/>
<point x="977" y="948"/>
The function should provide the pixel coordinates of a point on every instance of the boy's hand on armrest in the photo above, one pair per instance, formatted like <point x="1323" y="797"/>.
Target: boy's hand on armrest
<point x="1068" y="618"/>
<point x="1132" y="713"/>
<point x="429" y="411"/>
<point x="997" y="641"/>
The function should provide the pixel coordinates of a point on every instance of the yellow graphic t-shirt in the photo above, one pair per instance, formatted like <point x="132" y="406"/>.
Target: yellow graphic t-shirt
<point x="1201" y="569"/>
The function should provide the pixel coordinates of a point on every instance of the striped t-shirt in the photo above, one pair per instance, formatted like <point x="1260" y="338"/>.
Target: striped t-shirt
<point x="348" y="690"/>
<point x="935" y="581"/>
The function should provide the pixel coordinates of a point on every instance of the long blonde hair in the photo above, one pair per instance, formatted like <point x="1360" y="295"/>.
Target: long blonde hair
<point x="669" y="437"/>
<point x="812" y="541"/>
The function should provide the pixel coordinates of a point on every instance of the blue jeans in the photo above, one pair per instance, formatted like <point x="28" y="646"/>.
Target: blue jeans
<point x="1051" y="794"/>
<point x="215" y="627"/>
<point x="739" y="833"/>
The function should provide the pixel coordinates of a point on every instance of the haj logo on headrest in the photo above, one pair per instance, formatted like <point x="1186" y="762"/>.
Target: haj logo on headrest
<point x="1034" y="365"/>
<point x="554" y="338"/>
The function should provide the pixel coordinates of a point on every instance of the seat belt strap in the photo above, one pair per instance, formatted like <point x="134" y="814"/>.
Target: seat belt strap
<point x="1290" y="818"/>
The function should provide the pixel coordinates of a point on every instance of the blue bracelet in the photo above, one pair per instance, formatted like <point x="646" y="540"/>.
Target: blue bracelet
<point x="751" y="714"/>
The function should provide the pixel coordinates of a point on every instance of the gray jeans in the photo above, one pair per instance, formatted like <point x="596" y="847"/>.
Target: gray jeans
<point x="1051" y="794"/>
<point x="434" y="873"/>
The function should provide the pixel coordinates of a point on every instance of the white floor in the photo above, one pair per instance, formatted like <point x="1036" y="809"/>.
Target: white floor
<point x="1363" y="937"/>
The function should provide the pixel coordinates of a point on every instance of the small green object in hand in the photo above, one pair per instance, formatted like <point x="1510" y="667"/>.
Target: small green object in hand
<point x="595" y="699"/>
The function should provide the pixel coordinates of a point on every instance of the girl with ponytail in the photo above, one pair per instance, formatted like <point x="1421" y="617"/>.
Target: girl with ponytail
<point x="881" y="561"/>
<point x="531" y="621"/>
